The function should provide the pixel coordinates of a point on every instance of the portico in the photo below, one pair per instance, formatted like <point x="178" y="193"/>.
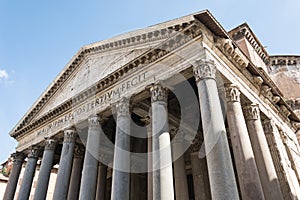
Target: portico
<point x="108" y="120"/>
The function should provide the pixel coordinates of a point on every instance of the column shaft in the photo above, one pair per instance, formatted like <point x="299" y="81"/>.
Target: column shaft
<point x="45" y="170"/>
<point x="181" y="186"/>
<point x="90" y="166"/>
<point x="220" y="168"/>
<point x="65" y="165"/>
<point x="121" y="165"/>
<point x="266" y="169"/>
<point x="14" y="176"/>
<point x="200" y="177"/>
<point x="161" y="147"/>
<point x="28" y="175"/>
<point x="248" y="176"/>
<point x="150" y="173"/>
<point x="101" y="185"/>
<point x="74" y="186"/>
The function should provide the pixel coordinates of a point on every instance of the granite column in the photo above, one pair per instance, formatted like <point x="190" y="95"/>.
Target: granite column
<point x="263" y="158"/>
<point x="88" y="183"/>
<point x="65" y="165"/>
<point x="247" y="172"/>
<point x="220" y="168"/>
<point x="25" y="189"/>
<point x="14" y="176"/>
<point x="121" y="165"/>
<point x="161" y="146"/>
<point x="45" y="170"/>
<point x="74" y="186"/>
<point x="101" y="184"/>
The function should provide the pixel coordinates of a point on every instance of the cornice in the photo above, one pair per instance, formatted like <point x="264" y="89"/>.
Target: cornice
<point x="173" y="40"/>
<point x="260" y="79"/>
<point x="245" y="31"/>
<point x="276" y="60"/>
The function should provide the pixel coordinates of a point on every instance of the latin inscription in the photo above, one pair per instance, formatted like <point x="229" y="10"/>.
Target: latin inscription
<point x="109" y="96"/>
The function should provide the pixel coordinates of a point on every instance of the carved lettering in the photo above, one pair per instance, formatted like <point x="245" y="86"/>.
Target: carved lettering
<point x="98" y="101"/>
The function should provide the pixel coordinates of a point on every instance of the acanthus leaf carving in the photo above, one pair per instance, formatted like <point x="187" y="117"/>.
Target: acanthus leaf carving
<point x="18" y="157"/>
<point x="69" y="135"/>
<point x="78" y="151"/>
<point x="33" y="152"/>
<point x="50" y="144"/>
<point x="232" y="93"/>
<point x="94" y="122"/>
<point x="123" y="107"/>
<point x="251" y="112"/>
<point x="204" y="69"/>
<point x="158" y="92"/>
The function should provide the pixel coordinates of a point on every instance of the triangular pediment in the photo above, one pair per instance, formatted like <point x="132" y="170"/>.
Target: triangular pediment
<point x="96" y="61"/>
<point x="90" y="71"/>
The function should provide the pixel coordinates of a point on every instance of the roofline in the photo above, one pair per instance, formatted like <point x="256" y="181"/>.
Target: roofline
<point x="260" y="50"/>
<point x="203" y="16"/>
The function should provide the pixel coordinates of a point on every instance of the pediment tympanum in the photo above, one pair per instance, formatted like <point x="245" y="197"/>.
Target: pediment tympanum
<point x="90" y="71"/>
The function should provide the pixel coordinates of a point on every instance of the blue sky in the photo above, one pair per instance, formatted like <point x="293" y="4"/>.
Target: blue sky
<point x="38" y="38"/>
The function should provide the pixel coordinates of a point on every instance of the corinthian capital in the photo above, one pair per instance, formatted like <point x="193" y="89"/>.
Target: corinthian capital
<point x="204" y="70"/>
<point x="158" y="93"/>
<point x="33" y="152"/>
<point x="69" y="135"/>
<point x="50" y="144"/>
<point x="251" y="112"/>
<point x="78" y="151"/>
<point x="123" y="107"/>
<point x="232" y="93"/>
<point x="269" y="126"/>
<point x="94" y="122"/>
<point x="18" y="157"/>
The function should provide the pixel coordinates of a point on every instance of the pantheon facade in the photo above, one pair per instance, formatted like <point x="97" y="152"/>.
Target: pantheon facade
<point x="180" y="110"/>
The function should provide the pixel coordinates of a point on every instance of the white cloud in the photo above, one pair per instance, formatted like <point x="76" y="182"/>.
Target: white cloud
<point x="3" y="74"/>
